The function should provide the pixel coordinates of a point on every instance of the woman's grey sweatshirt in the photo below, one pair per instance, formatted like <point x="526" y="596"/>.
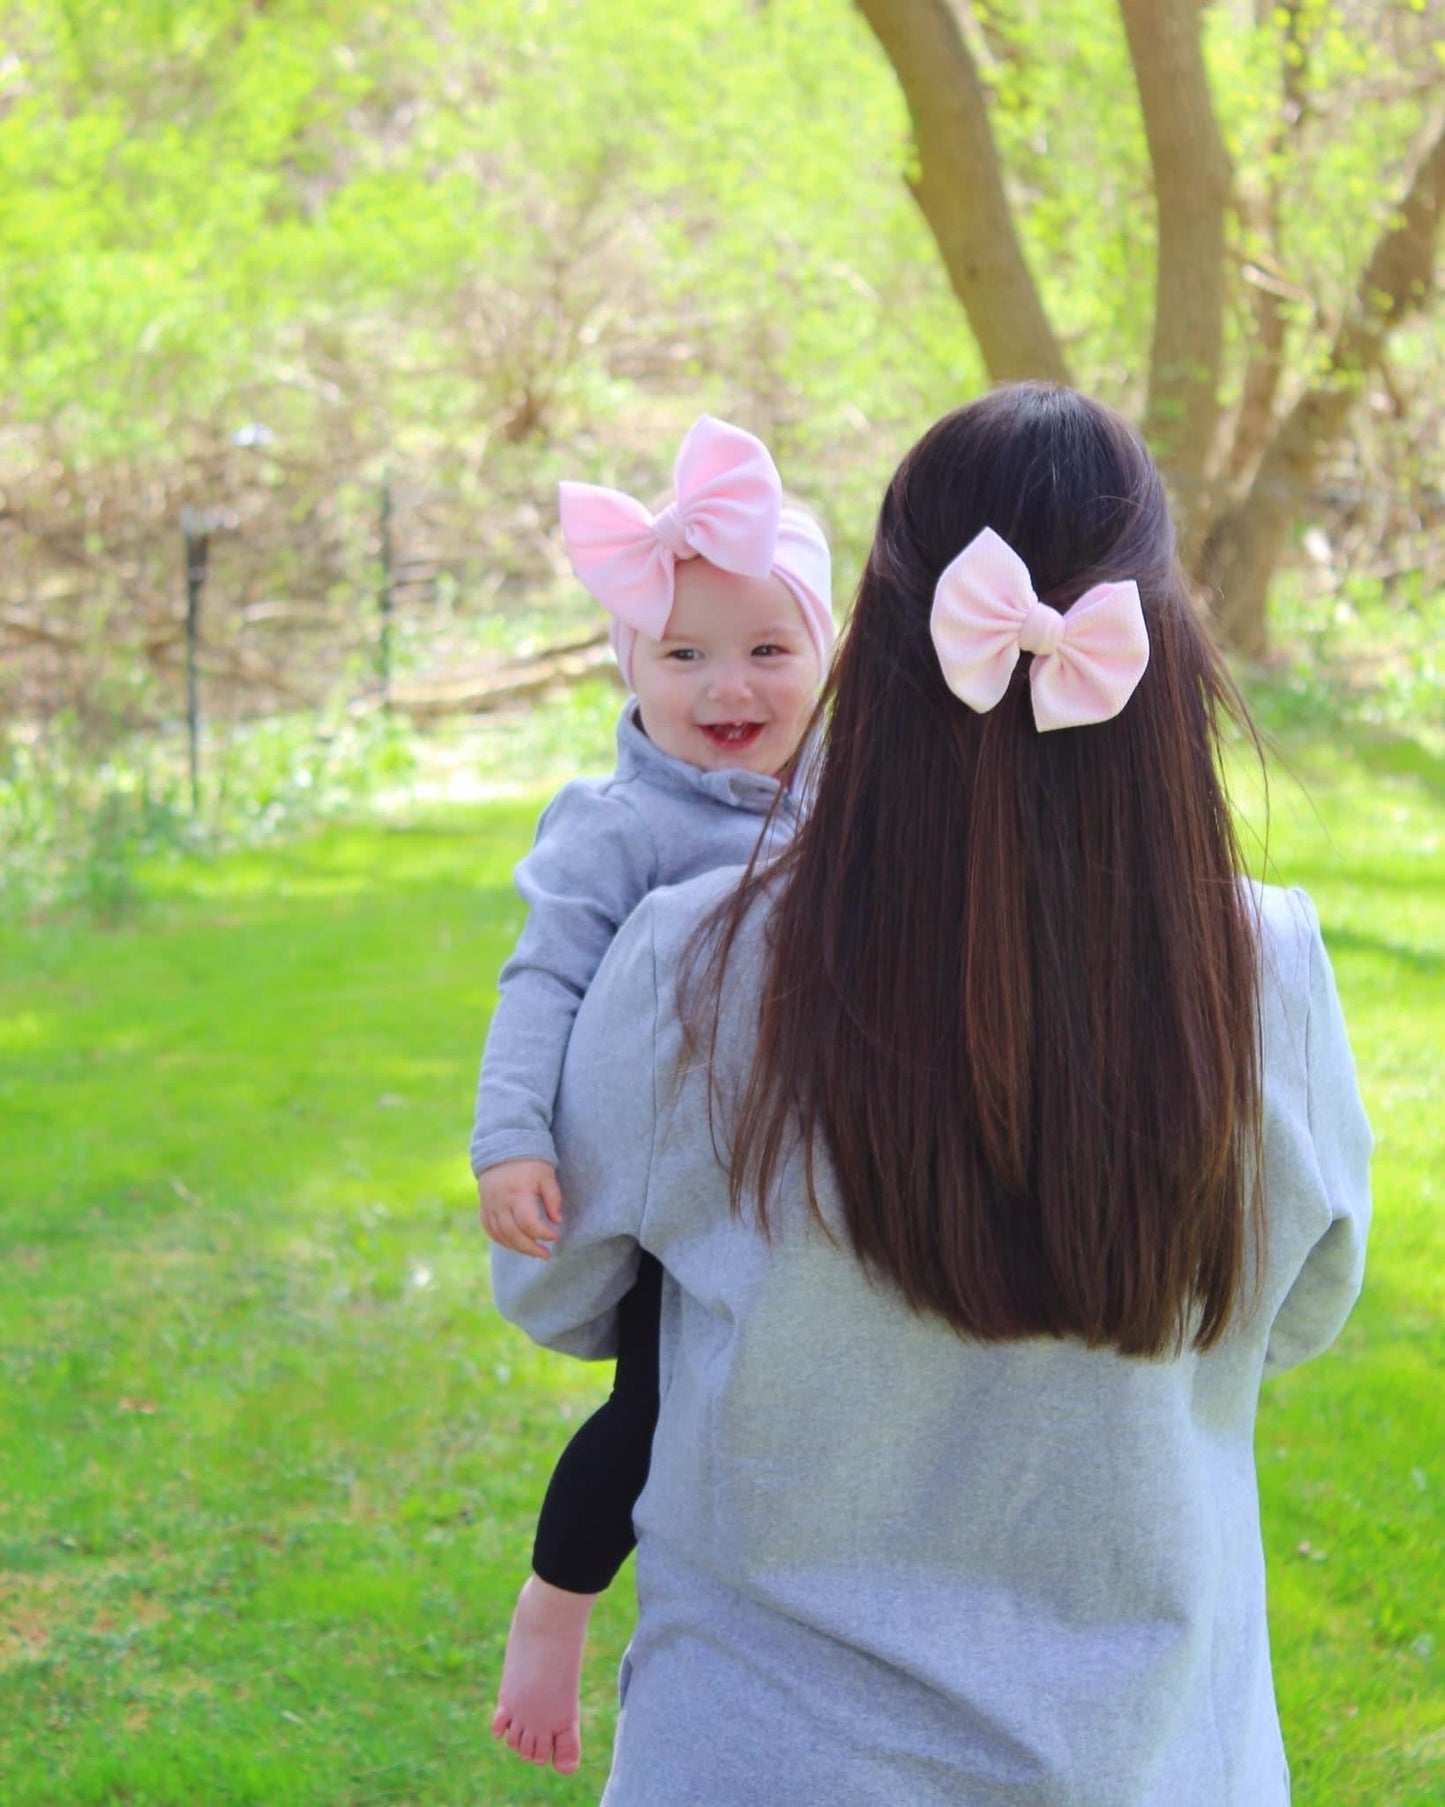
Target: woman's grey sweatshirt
<point x="602" y="844"/>
<point x="883" y="1566"/>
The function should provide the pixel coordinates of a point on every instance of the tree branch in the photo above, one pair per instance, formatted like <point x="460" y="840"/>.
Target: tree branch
<point x="1260" y="212"/>
<point x="1246" y="542"/>
<point x="13" y="621"/>
<point x="519" y="681"/>
<point x="959" y="188"/>
<point x="1192" y="192"/>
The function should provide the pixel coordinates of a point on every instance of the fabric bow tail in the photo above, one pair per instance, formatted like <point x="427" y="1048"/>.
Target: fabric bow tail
<point x="1087" y="662"/>
<point x="1098" y="662"/>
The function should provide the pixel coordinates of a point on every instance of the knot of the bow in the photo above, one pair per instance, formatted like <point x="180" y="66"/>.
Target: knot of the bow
<point x="1042" y="630"/>
<point x="672" y="533"/>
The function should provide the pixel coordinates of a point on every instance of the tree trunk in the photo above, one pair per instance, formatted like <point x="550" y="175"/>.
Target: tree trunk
<point x="959" y="188"/>
<point x="1259" y="208"/>
<point x="1245" y="543"/>
<point x="1192" y="194"/>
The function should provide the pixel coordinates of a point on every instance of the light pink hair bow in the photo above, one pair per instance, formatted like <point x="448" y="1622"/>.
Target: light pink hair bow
<point x="1087" y="661"/>
<point x="727" y="501"/>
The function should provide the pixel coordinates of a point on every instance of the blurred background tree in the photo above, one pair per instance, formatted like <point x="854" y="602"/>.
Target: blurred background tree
<point x="1240" y="429"/>
<point x="261" y="258"/>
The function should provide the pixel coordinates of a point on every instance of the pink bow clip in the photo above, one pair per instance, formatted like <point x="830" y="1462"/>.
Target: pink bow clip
<point x="1087" y="662"/>
<point x="727" y="500"/>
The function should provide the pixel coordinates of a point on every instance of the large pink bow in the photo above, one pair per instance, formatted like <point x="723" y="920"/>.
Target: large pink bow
<point x="727" y="500"/>
<point x="1086" y="664"/>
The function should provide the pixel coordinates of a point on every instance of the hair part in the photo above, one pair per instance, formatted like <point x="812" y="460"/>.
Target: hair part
<point x="1011" y="985"/>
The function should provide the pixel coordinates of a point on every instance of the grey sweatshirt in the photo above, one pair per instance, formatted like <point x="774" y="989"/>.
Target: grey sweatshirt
<point x="602" y="844"/>
<point x="881" y="1566"/>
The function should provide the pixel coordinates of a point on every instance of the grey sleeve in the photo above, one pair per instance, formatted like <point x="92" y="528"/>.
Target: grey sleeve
<point x="606" y="1123"/>
<point x="1323" y="1292"/>
<point x="592" y="863"/>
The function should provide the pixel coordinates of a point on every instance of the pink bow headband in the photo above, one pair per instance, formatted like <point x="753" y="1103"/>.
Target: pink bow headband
<point x="1087" y="661"/>
<point x="727" y="507"/>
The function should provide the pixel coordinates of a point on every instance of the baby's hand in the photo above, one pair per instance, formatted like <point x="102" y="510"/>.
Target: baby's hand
<point x="521" y="1206"/>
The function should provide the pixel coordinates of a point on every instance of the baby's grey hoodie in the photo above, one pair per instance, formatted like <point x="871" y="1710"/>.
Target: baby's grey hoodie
<point x="602" y="844"/>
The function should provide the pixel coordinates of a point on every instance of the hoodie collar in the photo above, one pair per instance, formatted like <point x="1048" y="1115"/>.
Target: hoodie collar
<point x="638" y="757"/>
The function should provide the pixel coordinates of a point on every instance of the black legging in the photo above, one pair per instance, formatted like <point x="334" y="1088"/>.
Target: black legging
<point x="584" y="1533"/>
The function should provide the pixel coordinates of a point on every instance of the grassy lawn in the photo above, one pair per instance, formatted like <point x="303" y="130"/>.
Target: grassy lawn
<point x="268" y="1462"/>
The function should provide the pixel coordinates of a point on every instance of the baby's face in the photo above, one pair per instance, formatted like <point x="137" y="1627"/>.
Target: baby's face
<point x="734" y="680"/>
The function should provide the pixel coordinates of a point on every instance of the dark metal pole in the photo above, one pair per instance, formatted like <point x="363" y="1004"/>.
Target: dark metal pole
<point x="386" y="599"/>
<point x="197" y="531"/>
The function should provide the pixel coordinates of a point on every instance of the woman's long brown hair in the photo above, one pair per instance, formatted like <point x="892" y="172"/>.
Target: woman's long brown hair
<point x="1012" y="977"/>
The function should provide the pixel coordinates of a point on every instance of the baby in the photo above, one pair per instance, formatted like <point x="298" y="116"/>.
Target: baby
<point x="722" y="625"/>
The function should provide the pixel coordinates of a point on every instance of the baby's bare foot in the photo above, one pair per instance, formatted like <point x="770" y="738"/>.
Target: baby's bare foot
<point x="537" y="1703"/>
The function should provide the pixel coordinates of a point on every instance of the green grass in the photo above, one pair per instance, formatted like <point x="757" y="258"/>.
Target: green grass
<point x="269" y="1460"/>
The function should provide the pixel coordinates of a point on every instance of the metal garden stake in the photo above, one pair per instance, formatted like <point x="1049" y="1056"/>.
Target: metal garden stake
<point x="386" y="600"/>
<point x="197" y="530"/>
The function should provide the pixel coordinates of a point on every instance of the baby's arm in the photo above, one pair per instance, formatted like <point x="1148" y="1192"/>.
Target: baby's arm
<point x="607" y="1119"/>
<point x="591" y="865"/>
<point x="521" y="1205"/>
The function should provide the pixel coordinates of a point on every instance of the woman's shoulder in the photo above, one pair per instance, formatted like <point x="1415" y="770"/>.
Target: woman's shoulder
<point x="1309" y="1067"/>
<point x="676" y="913"/>
<point x="1287" y="927"/>
<point x="678" y="929"/>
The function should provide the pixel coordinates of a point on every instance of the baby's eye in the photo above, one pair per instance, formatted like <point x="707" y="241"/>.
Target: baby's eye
<point x="769" y="650"/>
<point x="684" y="654"/>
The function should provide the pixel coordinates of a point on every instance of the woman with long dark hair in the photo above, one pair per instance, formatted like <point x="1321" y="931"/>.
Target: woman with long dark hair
<point x="995" y="1141"/>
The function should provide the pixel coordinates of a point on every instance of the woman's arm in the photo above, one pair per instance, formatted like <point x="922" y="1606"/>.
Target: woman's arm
<point x="605" y="1125"/>
<point x="1327" y="1285"/>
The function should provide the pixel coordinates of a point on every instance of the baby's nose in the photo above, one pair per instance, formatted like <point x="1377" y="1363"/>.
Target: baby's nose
<point x="731" y="680"/>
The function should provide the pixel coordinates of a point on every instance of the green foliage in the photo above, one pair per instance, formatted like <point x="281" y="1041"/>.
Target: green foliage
<point x="1361" y="661"/>
<point x="572" y="732"/>
<point x="482" y="244"/>
<point x="486" y="240"/>
<point x="77" y="829"/>
<point x="209" y="189"/>
<point x="535" y="207"/>
<point x="72" y="828"/>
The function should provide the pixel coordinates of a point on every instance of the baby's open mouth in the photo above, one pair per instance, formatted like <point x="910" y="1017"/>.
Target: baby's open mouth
<point x="732" y="735"/>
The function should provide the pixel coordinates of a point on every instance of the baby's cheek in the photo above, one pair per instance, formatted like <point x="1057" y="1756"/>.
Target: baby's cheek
<point x="801" y="701"/>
